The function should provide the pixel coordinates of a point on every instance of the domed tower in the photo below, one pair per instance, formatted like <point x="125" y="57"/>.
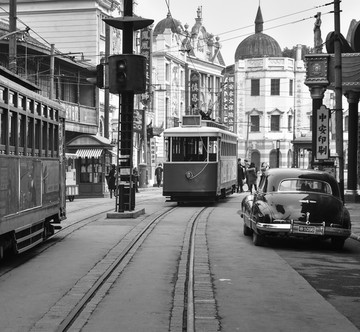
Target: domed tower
<point x="168" y="23"/>
<point x="258" y="45"/>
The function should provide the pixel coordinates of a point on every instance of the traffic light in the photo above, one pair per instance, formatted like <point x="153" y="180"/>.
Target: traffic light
<point x="149" y="132"/>
<point x="100" y="76"/>
<point x="121" y="73"/>
<point x="127" y="73"/>
<point x="96" y="75"/>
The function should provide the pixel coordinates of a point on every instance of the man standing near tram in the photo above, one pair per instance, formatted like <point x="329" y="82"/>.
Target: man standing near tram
<point x="159" y="174"/>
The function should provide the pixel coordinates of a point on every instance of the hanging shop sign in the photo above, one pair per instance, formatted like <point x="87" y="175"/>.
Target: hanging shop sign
<point x="194" y="89"/>
<point x="228" y="116"/>
<point x="322" y="133"/>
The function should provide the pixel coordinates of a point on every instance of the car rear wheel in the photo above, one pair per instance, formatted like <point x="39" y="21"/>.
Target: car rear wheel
<point x="258" y="239"/>
<point x="337" y="243"/>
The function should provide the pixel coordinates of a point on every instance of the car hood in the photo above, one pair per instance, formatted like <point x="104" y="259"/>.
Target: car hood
<point x="312" y="207"/>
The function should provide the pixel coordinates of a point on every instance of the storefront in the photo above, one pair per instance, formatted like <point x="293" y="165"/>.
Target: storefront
<point x="92" y="165"/>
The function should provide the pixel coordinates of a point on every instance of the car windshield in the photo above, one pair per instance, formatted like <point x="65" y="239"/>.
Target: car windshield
<point x="304" y="185"/>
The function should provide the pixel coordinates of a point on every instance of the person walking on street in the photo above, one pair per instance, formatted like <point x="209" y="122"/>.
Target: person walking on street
<point x="251" y="177"/>
<point x="241" y="176"/>
<point x="158" y="174"/>
<point x="136" y="179"/>
<point x="112" y="180"/>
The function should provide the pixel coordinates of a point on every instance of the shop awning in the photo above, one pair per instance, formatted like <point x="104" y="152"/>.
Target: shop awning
<point x="71" y="155"/>
<point x="88" y="153"/>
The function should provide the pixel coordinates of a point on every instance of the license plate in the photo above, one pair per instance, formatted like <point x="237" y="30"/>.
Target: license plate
<point x="307" y="229"/>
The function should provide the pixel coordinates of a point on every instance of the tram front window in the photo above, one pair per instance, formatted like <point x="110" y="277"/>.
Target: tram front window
<point x="193" y="149"/>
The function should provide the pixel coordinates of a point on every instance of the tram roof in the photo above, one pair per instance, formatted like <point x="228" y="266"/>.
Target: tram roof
<point x="196" y="131"/>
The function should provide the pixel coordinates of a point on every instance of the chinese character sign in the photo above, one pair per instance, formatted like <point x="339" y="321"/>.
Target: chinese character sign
<point x="322" y="133"/>
<point x="145" y="50"/>
<point x="194" y="89"/>
<point x="228" y="103"/>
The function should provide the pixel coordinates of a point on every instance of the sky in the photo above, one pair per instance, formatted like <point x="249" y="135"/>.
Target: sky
<point x="289" y="22"/>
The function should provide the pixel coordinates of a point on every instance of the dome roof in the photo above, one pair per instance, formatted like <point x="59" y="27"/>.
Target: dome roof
<point x="167" y="23"/>
<point x="258" y="45"/>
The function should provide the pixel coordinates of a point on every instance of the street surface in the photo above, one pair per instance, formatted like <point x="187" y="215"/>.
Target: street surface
<point x="284" y="286"/>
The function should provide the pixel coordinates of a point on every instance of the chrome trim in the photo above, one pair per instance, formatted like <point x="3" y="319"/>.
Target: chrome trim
<point x="327" y="231"/>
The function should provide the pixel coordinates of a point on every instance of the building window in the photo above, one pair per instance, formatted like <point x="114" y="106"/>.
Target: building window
<point x="255" y="87"/>
<point x="275" y="87"/>
<point x="290" y="121"/>
<point x="275" y="123"/>
<point x="167" y="72"/>
<point x="346" y="124"/>
<point x="291" y="87"/>
<point x="255" y="123"/>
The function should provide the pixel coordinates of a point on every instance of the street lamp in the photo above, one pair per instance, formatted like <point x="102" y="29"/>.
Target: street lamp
<point x="278" y="153"/>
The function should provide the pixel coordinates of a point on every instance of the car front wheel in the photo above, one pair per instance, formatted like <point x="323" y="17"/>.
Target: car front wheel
<point x="337" y="243"/>
<point x="246" y="230"/>
<point x="258" y="239"/>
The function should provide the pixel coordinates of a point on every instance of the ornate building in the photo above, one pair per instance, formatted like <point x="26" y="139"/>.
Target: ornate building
<point x="187" y="75"/>
<point x="273" y="105"/>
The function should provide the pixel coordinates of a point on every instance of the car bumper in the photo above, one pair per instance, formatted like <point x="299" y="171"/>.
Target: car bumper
<point x="303" y="229"/>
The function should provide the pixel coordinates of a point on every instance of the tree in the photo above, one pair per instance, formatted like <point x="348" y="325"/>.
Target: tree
<point x="291" y="52"/>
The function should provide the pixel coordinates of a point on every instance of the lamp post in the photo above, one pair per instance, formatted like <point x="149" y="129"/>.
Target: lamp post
<point x="278" y="153"/>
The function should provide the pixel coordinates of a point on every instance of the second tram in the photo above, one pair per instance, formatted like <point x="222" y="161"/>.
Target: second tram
<point x="32" y="171"/>
<point x="201" y="161"/>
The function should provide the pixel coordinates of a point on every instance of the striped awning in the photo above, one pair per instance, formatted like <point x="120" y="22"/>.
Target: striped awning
<point x="88" y="153"/>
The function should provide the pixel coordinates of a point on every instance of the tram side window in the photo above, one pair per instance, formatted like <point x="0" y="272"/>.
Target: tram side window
<point x="22" y="131"/>
<point x="30" y="132"/>
<point x="213" y="148"/>
<point x="37" y="134"/>
<point x="12" y="133"/>
<point x="45" y="137"/>
<point x="2" y="127"/>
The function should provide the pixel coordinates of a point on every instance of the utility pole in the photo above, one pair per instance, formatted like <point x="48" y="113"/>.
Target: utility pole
<point x="12" y="38"/>
<point x="338" y="97"/>
<point x="126" y="77"/>
<point x="106" y="90"/>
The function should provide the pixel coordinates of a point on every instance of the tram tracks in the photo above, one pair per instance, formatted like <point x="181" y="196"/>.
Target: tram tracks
<point x="68" y="227"/>
<point x="75" y="307"/>
<point x="193" y="304"/>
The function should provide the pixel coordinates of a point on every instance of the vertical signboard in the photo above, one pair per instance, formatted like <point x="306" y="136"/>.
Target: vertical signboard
<point x="194" y="89"/>
<point x="322" y="133"/>
<point x="145" y="50"/>
<point x="228" y="103"/>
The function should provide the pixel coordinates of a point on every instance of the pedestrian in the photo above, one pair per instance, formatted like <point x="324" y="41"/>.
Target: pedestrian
<point x="241" y="176"/>
<point x="136" y="179"/>
<point x="251" y="177"/>
<point x="264" y="167"/>
<point x="112" y="180"/>
<point x="159" y="174"/>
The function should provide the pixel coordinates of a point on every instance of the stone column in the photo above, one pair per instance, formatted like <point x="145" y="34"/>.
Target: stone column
<point x="353" y="100"/>
<point x="317" y="95"/>
<point x="317" y="81"/>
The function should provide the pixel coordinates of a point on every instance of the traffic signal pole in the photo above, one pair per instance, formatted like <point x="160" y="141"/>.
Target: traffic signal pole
<point x="125" y="73"/>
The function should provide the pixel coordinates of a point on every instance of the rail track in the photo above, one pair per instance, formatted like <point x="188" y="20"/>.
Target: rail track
<point x="73" y="310"/>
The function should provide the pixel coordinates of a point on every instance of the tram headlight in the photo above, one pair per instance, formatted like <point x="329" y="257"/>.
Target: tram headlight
<point x="189" y="175"/>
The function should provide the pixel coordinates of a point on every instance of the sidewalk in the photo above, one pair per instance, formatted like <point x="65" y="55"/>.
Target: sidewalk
<point x="354" y="209"/>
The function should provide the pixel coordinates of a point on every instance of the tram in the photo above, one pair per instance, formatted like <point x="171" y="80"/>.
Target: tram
<point x="201" y="161"/>
<point x="32" y="170"/>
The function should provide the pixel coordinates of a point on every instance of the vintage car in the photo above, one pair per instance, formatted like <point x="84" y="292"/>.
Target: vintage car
<point x="296" y="203"/>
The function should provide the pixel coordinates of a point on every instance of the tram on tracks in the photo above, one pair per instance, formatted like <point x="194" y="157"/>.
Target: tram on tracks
<point x="32" y="170"/>
<point x="201" y="161"/>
